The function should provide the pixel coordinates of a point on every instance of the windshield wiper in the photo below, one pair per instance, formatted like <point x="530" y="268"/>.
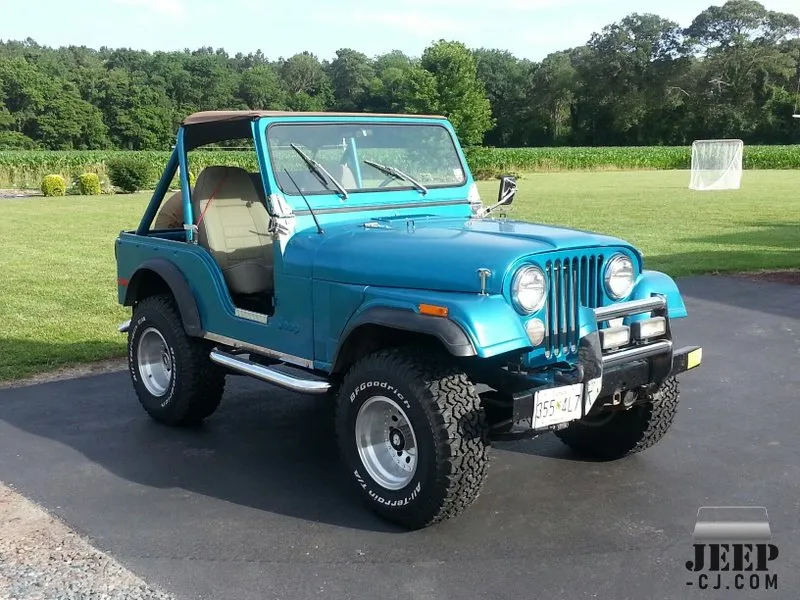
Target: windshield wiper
<point x="397" y="174"/>
<point x="319" y="171"/>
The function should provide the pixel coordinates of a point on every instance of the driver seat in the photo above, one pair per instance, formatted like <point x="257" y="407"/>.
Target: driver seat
<point x="234" y="228"/>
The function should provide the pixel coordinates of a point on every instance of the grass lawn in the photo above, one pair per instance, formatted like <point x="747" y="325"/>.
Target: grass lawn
<point x="680" y="231"/>
<point x="58" y="284"/>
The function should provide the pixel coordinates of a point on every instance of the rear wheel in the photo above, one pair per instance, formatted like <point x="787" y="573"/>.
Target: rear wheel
<point x="174" y="378"/>
<point x="612" y="435"/>
<point x="412" y="435"/>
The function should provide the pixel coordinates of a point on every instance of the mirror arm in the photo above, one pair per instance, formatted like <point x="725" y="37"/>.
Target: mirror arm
<point x="484" y="211"/>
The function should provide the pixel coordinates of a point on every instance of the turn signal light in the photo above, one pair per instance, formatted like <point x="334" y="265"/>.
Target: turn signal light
<point x="535" y="330"/>
<point x="433" y="310"/>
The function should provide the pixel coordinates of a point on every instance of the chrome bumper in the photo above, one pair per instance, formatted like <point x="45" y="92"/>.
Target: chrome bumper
<point x="123" y="328"/>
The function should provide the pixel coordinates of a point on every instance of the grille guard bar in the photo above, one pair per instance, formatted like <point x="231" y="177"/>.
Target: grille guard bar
<point x="657" y="305"/>
<point x="632" y="307"/>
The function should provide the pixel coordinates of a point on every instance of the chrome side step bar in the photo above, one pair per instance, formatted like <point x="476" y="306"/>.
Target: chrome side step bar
<point x="281" y="375"/>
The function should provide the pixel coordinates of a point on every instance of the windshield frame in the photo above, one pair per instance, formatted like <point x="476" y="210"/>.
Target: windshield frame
<point x="366" y="122"/>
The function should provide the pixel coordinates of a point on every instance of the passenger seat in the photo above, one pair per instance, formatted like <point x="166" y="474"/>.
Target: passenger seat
<point x="235" y="228"/>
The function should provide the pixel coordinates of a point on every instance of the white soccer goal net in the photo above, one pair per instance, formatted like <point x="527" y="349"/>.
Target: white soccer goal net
<point x="716" y="165"/>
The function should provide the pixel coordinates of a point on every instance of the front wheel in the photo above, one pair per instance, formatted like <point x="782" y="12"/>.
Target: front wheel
<point x="412" y="436"/>
<point x="610" y="436"/>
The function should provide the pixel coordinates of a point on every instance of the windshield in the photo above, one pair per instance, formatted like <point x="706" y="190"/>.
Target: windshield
<point x="363" y="157"/>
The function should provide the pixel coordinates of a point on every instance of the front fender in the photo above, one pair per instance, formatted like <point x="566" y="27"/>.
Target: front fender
<point x="654" y="282"/>
<point x="491" y="325"/>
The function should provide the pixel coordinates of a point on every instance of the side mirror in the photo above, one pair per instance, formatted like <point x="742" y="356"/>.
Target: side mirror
<point x="508" y="189"/>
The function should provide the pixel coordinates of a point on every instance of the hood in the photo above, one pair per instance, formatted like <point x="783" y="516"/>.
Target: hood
<point x="441" y="254"/>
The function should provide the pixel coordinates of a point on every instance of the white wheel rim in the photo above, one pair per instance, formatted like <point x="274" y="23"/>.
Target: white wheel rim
<point x="387" y="445"/>
<point x="154" y="362"/>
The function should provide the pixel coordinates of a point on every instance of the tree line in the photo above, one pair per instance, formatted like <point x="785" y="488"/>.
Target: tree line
<point x="645" y="80"/>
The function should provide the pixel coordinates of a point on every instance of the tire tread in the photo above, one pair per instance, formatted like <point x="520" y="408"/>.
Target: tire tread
<point x="202" y="382"/>
<point x="453" y="409"/>
<point x="644" y="427"/>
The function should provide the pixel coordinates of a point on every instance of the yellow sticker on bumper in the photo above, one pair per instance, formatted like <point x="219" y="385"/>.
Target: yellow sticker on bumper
<point x="694" y="358"/>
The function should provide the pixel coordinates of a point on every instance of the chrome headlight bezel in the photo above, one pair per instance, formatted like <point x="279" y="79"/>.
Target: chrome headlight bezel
<point x="618" y="264"/>
<point x="524" y="305"/>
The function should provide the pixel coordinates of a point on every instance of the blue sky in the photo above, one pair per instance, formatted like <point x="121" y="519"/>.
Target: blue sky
<point x="528" y="28"/>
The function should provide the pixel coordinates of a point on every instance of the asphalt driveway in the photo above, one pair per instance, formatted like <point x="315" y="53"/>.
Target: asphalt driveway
<point x="253" y="505"/>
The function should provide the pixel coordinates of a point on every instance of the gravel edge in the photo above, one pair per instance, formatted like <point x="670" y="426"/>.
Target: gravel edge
<point x="43" y="559"/>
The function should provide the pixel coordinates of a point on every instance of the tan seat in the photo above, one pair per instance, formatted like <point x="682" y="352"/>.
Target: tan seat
<point x="235" y="228"/>
<point x="342" y="174"/>
<point x="170" y="215"/>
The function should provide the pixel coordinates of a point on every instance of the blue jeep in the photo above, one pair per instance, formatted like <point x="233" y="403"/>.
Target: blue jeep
<point x="359" y="262"/>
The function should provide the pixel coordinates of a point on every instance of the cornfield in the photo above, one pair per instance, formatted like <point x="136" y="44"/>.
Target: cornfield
<point x="492" y="161"/>
<point x="25" y="169"/>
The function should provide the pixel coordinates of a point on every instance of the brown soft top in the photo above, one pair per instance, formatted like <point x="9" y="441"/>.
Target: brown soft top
<point x="219" y="116"/>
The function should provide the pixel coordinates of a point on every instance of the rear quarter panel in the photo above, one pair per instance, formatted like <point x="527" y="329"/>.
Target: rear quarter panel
<point x="290" y="331"/>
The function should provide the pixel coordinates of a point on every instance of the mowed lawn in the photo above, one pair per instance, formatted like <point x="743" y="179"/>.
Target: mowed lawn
<point x="58" y="301"/>
<point x="680" y="231"/>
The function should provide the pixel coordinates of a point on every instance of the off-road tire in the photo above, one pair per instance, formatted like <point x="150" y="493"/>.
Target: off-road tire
<point x="196" y="385"/>
<point x="626" y="432"/>
<point x="445" y="413"/>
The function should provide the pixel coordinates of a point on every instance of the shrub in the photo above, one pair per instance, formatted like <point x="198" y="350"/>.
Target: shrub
<point x="487" y="173"/>
<point x="89" y="184"/>
<point x="54" y="185"/>
<point x="129" y="173"/>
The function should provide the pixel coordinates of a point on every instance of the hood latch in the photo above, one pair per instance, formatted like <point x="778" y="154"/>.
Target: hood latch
<point x="484" y="274"/>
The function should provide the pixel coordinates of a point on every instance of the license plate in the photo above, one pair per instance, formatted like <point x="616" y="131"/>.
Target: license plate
<point x="557" y="405"/>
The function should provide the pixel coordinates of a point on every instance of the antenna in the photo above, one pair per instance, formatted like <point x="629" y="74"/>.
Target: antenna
<point x="303" y="196"/>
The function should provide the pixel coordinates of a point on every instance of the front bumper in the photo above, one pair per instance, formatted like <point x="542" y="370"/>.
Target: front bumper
<point x="609" y="376"/>
<point x="638" y="373"/>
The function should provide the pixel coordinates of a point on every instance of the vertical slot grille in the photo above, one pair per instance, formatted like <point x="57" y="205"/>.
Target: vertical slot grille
<point x="573" y="282"/>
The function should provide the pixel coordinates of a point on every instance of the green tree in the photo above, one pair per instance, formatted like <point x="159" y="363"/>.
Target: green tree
<point x="47" y="110"/>
<point x="625" y="72"/>
<point x="306" y="82"/>
<point x="506" y="79"/>
<point x="741" y="22"/>
<point x="743" y="79"/>
<point x="416" y="92"/>
<point x="138" y="116"/>
<point x="460" y="95"/>
<point x="352" y="78"/>
<point x="551" y="98"/>
<point x="260" y="88"/>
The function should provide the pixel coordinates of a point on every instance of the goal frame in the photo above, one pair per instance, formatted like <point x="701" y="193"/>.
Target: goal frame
<point x="725" y="175"/>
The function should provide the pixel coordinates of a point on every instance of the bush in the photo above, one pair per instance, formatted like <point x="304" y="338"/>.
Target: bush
<point x="89" y="184"/>
<point x="54" y="185"/>
<point x="129" y="173"/>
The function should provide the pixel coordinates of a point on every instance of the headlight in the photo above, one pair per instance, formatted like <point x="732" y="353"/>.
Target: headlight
<point x="619" y="276"/>
<point x="529" y="289"/>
